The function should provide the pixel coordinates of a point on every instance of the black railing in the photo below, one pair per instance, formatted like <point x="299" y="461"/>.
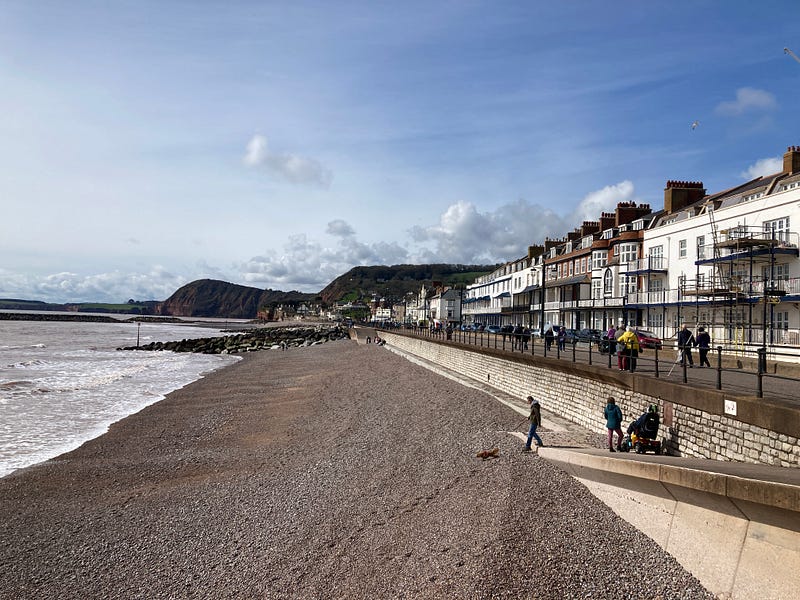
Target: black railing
<point x="744" y="370"/>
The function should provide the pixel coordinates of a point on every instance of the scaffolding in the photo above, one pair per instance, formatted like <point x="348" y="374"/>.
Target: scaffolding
<point x="742" y="281"/>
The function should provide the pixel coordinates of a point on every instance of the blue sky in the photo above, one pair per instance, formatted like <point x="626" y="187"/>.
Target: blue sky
<point x="277" y="144"/>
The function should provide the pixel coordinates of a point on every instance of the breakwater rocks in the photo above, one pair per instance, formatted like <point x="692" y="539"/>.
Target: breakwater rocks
<point x="57" y="317"/>
<point x="264" y="338"/>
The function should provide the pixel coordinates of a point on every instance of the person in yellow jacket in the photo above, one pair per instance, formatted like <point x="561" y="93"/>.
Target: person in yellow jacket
<point x="630" y="346"/>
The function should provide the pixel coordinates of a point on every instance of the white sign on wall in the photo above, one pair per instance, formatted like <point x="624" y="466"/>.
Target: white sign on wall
<point x="730" y="407"/>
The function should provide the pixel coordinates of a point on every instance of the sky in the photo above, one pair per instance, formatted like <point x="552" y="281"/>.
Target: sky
<point x="145" y="145"/>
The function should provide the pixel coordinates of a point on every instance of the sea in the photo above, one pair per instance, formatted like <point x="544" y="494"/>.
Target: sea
<point x="64" y="382"/>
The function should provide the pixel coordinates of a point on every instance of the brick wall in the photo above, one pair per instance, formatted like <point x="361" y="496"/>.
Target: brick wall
<point x="694" y="421"/>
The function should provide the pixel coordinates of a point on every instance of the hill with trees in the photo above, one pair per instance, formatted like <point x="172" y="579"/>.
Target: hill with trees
<point x="394" y="282"/>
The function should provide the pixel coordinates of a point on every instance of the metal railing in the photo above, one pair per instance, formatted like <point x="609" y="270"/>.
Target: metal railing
<point x="748" y="369"/>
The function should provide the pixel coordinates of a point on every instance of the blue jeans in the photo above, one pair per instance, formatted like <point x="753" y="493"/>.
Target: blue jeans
<point x="532" y="434"/>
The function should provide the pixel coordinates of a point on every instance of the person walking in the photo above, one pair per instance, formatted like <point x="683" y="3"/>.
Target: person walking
<point x="612" y="339"/>
<point x="685" y="342"/>
<point x="630" y="346"/>
<point x="548" y="339"/>
<point x="613" y="416"/>
<point x="535" y="418"/>
<point x="562" y="339"/>
<point x="704" y="345"/>
<point x="622" y="361"/>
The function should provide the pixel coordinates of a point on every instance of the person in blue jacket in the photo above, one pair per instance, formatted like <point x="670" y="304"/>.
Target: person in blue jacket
<point x="613" y="416"/>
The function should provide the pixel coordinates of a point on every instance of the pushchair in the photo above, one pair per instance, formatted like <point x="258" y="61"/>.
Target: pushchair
<point x="641" y="434"/>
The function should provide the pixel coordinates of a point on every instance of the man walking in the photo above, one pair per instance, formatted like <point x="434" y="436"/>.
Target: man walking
<point x="536" y="420"/>
<point x="685" y="342"/>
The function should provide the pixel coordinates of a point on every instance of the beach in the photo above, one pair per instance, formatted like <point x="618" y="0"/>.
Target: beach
<point x="333" y="471"/>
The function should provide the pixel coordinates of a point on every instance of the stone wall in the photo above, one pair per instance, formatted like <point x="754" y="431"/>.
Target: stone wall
<point x="695" y="422"/>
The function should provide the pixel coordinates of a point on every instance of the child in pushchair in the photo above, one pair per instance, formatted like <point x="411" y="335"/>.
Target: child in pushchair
<point x="642" y="432"/>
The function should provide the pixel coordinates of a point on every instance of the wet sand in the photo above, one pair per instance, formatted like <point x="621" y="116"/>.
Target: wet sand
<point x="333" y="471"/>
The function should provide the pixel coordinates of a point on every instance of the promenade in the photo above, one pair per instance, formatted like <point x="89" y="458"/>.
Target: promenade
<point x="334" y="471"/>
<point x="737" y="373"/>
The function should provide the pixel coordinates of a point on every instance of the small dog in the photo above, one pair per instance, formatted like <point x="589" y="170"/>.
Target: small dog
<point x="484" y="454"/>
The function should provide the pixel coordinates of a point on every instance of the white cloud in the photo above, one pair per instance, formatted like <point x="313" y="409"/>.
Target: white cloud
<point x="340" y="228"/>
<point x="114" y="287"/>
<point x="762" y="167"/>
<point x="290" y="167"/>
<point x="308" y="266"/>
<point x="604" y="200"/>
<point x="464" y="235"/>
<point x="747" y="100"/>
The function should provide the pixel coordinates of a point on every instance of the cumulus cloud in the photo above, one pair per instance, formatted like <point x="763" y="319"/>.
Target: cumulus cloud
<point x="466" y="235"/>
<point x="762" y="167"/>
<point x="462" y="234"/>
<point x="747" y="100"/>
<point x="308" y="266"/>
<point x="339" y="228"/>
<point x="290" y="167"/>
<point x="604" y="200"/>
<point x="114" y="287"/>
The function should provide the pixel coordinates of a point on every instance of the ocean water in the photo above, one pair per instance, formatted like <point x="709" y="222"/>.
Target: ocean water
<point x="63" y="383"/>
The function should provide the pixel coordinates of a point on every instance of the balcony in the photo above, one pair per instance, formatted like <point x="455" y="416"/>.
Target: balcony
<point x="649" y="264"/>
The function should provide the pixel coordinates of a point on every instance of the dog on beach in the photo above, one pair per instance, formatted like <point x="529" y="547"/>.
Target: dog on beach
<point x="484" y="454"/>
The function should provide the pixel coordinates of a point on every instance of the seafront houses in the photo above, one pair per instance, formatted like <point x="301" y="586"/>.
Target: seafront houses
<point x="727" y="261"/>
<point x="486" y="297"/>
<point x="445" y="306"/>
<point x="585" y="278"/>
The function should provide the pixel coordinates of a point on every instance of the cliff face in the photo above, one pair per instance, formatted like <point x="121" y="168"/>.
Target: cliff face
<point x="212" y="298"/>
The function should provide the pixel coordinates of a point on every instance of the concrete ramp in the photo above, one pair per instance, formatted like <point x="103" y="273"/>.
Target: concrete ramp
<point x="735" y="527"/>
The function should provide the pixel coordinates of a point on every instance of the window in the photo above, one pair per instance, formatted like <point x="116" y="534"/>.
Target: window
<point x="630" y="282"/>
<point x="682" y="249"/>
<point x="701" y="247"/>
<point x="628" y="252"/>
<point x="570" y="268"/>
<point x="597" y="288"/>
<point x="778" y="272"/>
<point x="657" y="257"/>
<point x="777" y="229"/>
<point x="608" y="283"/>
<point x="781" y="320"/>
<point x="599" y="259"/>
<point x="583" y="265"/>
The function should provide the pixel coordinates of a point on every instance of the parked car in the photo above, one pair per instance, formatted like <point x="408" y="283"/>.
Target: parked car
<point x="648" y="339"/>
<point x="493" y="329"/>
<point x="589" y="335"/>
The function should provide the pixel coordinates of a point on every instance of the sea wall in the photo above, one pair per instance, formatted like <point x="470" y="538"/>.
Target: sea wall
<point x="703" y="423"/>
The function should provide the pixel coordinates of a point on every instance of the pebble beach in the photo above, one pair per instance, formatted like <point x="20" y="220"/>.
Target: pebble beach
<point x="339" y="470"/>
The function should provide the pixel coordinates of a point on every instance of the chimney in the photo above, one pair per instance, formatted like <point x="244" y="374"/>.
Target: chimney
<point x="573" y="235"/>
<point x="607" y="221"/>
<point x="628" y="212"/>
<point x="589" y="228"/>
<point x="680" y="194"/>
<point x="791" y="160"/>
<point x="535" y="251"/>
<point x="548" y="244"/>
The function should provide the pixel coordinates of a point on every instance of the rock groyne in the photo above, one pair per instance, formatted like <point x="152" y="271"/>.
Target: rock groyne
<point x="263" y="338"/>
